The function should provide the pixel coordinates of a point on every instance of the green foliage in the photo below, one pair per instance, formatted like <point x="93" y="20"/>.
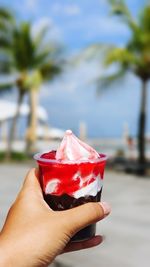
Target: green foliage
<point x="50" y="70"/>
<point x="2" y="156"/>
<point x="40" y="36"/>
<point x="26" y="53"/>
<point x="32" y="80"/>
<point x="19" y="156"/>
<point x="119" y="8"/>
<point x="15" y="156"/>
<point x="31" y="57"/>
<point x="145" y="19"/>
<point x="121" y="55"/>
<point x="22" y="47"/>
<point x="135" y="56"/>
<point x="7" y="22"/>
<point x="6" y="14"/>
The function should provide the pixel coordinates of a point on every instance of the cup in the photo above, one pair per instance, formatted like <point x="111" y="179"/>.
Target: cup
<point x="66" y="185"/>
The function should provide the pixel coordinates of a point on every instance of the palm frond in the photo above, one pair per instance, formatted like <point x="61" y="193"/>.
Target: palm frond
<point x="139" y="43"/>
<point x="23" y="49"/>
<point x="5" y="41"/>
<point x="107" y="81"/>
<point x="40" y="36"/>
<point x="50" y="70"/>
<point x="29" y="54"/>
<point x="120" y="55"/>
<point x="144" y="19"/>
<point x="94" y="51"/>
<point x="7" y="20"/>
<point x="43" y="56"/>
<point x="6" y="14"/>
<point x="5" y="63"/>
<point x="4" y="25"/>
<point x="119" y="8"/>
<point x="140" y="40"/>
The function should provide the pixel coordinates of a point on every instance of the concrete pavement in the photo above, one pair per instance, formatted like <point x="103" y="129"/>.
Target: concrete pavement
<point x="127" y="229"/>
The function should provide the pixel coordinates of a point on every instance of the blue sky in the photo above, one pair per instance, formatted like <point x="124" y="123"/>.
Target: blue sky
<point x="76" y="23"/>
<point x="72" y="98"/>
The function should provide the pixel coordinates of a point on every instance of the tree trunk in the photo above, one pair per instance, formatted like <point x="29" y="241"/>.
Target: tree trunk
<point x="141" y="130"/>
<point x="31" y="131"/>
<point x="13" y="127"/>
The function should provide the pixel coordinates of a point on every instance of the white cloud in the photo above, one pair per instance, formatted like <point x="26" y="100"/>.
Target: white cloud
<point x="31" y="4"/>
<point x="73" y="78"/>
<point x="97" y="25"/>
<point x="40" y="24"/>
<point x="69" y="10"/>
<point x="55" y="32"/>
<point x="110" y="26"/>
<point x="72" y="10"/>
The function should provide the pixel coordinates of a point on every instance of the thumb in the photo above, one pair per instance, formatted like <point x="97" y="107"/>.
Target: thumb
<point x="31" y="182"/>
<point x="85" y="215"/>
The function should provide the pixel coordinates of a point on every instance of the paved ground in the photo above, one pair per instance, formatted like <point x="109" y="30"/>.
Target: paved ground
<point x="127" y="230"/>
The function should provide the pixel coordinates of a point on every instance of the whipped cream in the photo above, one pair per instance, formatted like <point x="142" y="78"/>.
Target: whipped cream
<point x="90" y="189"/>
<point x="73" y="149"/>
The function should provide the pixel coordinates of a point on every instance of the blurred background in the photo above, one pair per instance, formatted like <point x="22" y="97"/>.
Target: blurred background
<point x="85" y="66"/>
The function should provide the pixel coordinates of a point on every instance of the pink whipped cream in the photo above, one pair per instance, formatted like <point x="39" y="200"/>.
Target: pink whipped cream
<point x="73" y="149"/>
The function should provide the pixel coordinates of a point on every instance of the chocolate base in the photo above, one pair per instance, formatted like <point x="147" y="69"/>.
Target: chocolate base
<point x="65" y="202"/>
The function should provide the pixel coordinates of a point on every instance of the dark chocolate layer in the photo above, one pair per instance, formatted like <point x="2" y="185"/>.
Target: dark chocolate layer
<point x="65" y="202"/>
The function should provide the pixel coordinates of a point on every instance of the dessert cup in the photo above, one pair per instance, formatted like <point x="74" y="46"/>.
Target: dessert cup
<point x="66" y="185"/>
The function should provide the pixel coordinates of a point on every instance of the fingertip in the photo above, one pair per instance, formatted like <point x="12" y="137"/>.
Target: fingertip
<point x="106" y="208"/>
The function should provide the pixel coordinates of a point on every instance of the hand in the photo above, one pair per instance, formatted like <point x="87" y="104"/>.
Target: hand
<point x="33" y="234"/>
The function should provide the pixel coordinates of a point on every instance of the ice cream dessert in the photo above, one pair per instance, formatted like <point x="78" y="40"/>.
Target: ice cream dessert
<point x="72" y="176"/>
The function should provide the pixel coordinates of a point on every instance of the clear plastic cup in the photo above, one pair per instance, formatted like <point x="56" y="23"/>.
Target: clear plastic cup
<point x="66" y="185"/>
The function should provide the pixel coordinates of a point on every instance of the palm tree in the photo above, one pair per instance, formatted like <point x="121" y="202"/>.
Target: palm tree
<point x="33" y="60"/>
<point x="134" y="57"/>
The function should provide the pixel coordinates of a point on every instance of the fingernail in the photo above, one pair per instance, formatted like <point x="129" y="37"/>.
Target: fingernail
<point x="106" y="208"/>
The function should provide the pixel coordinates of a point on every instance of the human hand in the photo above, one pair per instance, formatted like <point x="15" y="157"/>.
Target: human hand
<point x="33" y="234"/>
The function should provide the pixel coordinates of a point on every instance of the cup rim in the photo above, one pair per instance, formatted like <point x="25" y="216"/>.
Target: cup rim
<point x="38" y="158"/>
